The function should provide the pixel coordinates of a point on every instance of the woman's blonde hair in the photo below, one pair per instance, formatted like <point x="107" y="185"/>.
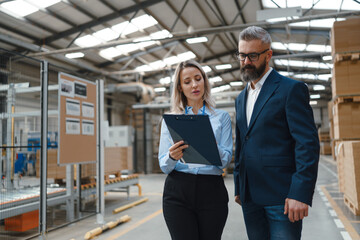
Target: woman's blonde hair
<point x="178" y="99"/>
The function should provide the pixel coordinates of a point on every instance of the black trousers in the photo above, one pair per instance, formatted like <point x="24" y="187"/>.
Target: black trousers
<point x="195" y="207"/>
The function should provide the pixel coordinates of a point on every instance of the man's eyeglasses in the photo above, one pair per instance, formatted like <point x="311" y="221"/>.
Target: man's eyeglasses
<point x="252" y="56"/>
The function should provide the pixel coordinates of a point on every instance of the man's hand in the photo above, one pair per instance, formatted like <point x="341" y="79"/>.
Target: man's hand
<point x="237" y="199"/>
<point x="295" y="210"/>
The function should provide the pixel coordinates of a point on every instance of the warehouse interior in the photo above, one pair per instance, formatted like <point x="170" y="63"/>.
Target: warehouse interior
<point x="59" y="184"/>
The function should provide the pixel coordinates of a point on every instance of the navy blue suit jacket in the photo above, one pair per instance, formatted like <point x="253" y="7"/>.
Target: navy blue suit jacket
<point x="277" y="155"/>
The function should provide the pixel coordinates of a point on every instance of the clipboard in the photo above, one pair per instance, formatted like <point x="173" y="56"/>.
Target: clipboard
<point x="196" y="131"/>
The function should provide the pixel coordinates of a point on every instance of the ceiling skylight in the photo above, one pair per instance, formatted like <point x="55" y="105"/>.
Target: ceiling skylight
<point x="18" y="8"/>
<point x="165" y="80"/>
<point x="301" y="47"/>
<point x="171" y="60"/>
<point x="161" y="34"/>
<point x="124" y="28"/>
<point x="106" y="34"/>
<point x="167" y="61"/>
<point x="320" y="23"/>
<point x="206" y="69"/>
<point x="144" y="21"/>
<point x="43" y="3"/>
<point x="21" y="8"/>
<point x="296" y="63"/>
<point x="215" y="79"/>
<point x="87" y="41"/>
<point x="306" y="4"/>
<point x="157" y="64"/>
<point x="220" y="89"/>
<point x="110" y="53"/>
<point x="186" y="56"/>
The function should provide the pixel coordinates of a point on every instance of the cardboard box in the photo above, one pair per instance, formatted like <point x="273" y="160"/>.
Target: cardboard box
<point x="346" y="120"/>
<point x="330" y="109"/>
<point x="339" y="153"/>
<point x="331" y="128"/>
<point x="118" y="158"/>
<point x="345" y="36"/>
<point x="53" y="170"/>
<point x="345" y="78"/>
<point x="349" y="152"/>
<point x="23" y="222"/>
<point x="325" y="148"/>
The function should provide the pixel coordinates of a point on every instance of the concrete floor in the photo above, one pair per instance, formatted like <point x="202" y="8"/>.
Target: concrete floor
<point x="328" y="219"/>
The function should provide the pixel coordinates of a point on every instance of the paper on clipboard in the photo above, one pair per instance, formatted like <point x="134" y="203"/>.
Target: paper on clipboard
<point x="197" y="132"/>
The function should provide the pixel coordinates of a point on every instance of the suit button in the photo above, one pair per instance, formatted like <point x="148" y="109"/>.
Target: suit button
<point x="247" y="138"/>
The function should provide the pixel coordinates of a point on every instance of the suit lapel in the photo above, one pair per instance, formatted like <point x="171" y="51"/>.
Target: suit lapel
<point x="270" y="85"/>
<point x="243" y="98"/>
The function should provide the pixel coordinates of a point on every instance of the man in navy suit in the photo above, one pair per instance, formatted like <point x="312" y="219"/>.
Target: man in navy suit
<point x="277" y="146"/>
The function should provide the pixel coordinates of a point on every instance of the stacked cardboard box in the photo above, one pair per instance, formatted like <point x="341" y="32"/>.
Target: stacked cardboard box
<point x="116" y="159"/>
<point x="53" y="170"/>
<point x="349" y="177"/>
<point x="345" y="108"/>
<point x="324" y="138"/>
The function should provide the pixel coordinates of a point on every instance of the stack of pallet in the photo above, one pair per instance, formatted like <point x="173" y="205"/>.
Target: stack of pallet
<point x="345" y="114"/>
<point x="324" y="138"/>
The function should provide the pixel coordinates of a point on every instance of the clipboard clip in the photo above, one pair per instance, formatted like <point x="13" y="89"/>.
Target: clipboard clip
<point x="185" y="117"/>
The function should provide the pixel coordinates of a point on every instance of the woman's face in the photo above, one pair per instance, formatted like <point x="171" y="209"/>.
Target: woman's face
<point x="192" y="85"/>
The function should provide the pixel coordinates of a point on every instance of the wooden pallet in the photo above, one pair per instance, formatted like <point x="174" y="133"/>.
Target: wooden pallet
<point x="352" y="56"/>
<point x="351" y="206"/>
<point x="346" y="99"/>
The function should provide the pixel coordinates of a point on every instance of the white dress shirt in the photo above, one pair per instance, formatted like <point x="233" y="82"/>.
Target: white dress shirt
<point x="253" y="95"/>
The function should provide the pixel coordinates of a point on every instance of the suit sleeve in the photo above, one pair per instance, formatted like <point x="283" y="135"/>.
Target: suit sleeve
<point x="237" y="155"/>
<point x="306" y="143"/>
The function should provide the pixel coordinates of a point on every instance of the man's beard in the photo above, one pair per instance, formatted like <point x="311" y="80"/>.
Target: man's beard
<point x="250" y="73"/>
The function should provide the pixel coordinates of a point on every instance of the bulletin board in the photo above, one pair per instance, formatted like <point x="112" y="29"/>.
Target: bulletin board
<point x="77" y="120"/>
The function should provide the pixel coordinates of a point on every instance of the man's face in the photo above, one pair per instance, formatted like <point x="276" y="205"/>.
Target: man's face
<point x="251" y="70"/>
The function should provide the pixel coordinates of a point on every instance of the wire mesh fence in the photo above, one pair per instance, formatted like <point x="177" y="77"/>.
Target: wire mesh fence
<point x="20" y="158"/>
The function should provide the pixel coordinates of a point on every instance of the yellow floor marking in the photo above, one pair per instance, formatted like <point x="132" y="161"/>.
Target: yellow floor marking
<point x="137" y="224"/>
<point x="348" y="227"/>
<point x="354" y="221"/>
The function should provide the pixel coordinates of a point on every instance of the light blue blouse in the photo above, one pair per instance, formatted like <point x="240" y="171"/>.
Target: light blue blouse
<point x="221" y="125"/>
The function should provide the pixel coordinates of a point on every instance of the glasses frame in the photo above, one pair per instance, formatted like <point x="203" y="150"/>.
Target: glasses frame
<point x="254" y="54"/>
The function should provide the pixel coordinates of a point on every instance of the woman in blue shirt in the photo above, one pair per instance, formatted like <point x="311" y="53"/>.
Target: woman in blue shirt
<point x="195" y="199"/>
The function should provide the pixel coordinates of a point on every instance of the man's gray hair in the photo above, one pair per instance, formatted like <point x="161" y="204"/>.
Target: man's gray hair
<point x="255" y="33"/>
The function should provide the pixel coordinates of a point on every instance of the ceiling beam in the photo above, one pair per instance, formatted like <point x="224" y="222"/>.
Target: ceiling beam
<point x="101" y="20"/>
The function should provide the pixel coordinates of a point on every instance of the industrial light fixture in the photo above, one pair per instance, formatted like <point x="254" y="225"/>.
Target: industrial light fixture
<point x="206" y="69"/>
<point x="160" y="89"/>
<point x="165" y="80"/>
<point x="315" y="96"/>
<point x="313" y="102"/>
<point x="318" y="87"/>
<point x="238" y="83"/>
<point x="215" y="79"/>
<point x="196" y="40"/>
<point x="75" y="55"/>
<point x="223" y="66"/>
<point x="327" y="58"/>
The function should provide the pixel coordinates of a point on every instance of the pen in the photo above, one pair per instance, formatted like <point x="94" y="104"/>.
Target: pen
<point x="181" y="159"/>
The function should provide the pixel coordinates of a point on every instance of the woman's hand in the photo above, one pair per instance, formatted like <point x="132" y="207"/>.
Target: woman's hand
<point x="176" y="150"/>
